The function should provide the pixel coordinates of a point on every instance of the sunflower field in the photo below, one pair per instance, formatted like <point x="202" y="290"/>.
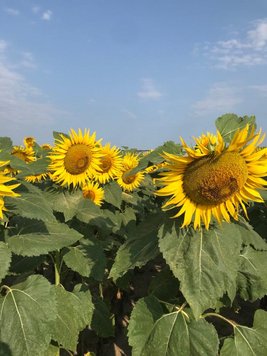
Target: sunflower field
<point x="115" y="251"/>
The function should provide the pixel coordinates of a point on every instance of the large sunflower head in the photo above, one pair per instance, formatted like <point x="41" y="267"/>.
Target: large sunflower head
<point x="92" y="191"/>
<point x="126" y="180"/>
<point x="212" y="179"/>
<point x="110" y="164"/>
<point x="74" y="158"/>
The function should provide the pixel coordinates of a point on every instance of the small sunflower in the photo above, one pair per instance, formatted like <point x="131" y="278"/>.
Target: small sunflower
<point x="92" y="191"/>
<point x="214" y="179"/>
<point x="29" y="141"/>
<point x="127" y="181"/>
<point x="6" y="191"/>
<point x="26" y="154"/>
<point x="74" y="158"/>
<point x="110" y="164"/>
<point x="37" y="178"/>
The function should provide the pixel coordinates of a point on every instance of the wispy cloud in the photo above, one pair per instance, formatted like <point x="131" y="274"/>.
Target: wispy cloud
<point x="220" y="98"/>
<point x="47" y="15"/>
<point x="11" y="11"/>
<point x="36" y="9"/>
<point x="246" y="49"/>
<point x="260" y="89"/>
<point x="23" y="107"/>
<point x="149" y="90"/>
<point x="28" y="60"/>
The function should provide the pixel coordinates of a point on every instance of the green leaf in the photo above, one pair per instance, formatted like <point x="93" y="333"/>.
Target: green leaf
<point x="27" y="310"/>
<point x="252" y="277"/>
<point x="5" y="144"/>
<point x="88" y="259"/>
<point x="101" y="321"/>
<point x="67" y="203"/>
<point x="113" y="194"/>
<point x="33" y="203"/>
<point x="74" y="312"/>
<point x="151" y="332"/>
<point x="140" y="247"/>
<point x="250" y="236"/>
<point x="143" y="317"/>
<point x="21" y="264"/>
<point x="248" y="341"/>
<point x="36" y="167"/>
<point x="228" y="124"/>
<point x="205" y="262"/>
<point x="35" y="238"/>
<point x="5" y="258"/>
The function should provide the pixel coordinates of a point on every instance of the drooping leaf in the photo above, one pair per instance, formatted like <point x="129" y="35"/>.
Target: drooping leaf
<point x="113" y="194"/>
<point x="140" y="247"/>
<point x="35" y="238"/>
<point x="227" y="124"/>
<point x="164" y="285"/>
<point x="248" y="341"/>
<point x="5" y="258"/>
<point x="33" y="203"/>
<point x="36" y="167"/>
<point x="27" y="310"/>
<point x="143" y="317"/>
<point x="22" y="264"/>
<point x="102" y="321"/>
<point x="205" y="262"/>
<point x="5" y="144"/>
<point x="88" y="259"/>
<point x="252" y="276"/>
<point x="71" y="317"/>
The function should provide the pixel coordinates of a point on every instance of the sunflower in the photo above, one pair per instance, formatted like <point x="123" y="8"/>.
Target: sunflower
<point x="29" y="141"/>
<point x="110" y="164"/>
<point x="214" y="180"/>
<point x="127" y="181"/>
<point x="6" y="190"/>
<point x="93" y="192"/>
<point x="36" y="178"/>
<point x="26" y="154"/>
<point x="74" y="158"/>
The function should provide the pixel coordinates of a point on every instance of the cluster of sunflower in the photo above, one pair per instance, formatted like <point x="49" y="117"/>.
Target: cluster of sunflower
<point x="210" y="180"/>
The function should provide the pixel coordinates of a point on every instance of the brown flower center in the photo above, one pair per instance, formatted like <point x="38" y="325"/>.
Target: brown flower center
<point x="89" y="194"/>
<point x="128" y="179"/>
<point x="105" y="164"/>
<point x="77" y="159"/>
<point x="212" y="180"/>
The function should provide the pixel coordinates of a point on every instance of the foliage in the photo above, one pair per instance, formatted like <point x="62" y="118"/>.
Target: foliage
<point x="81" y="279"/>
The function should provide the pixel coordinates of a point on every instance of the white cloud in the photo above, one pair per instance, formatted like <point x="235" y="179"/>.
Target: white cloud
<point x="47" y="15"/>
<point x="260" y="89"/>
<point x="23" y="107"/>
<point x="149" y="90"/>
<point x="27" y="60"/>
<point x="12" y="12"/>
<point x="249" y="49"/>
<point x="219" y="99"/>
<point x="3" y="46"/>
<point x="36" y="9"/>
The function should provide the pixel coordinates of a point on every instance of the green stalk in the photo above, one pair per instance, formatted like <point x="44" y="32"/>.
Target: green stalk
<point x="57" y="266"/>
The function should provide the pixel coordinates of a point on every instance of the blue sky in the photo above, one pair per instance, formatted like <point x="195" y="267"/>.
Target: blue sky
<point x="138" y="72"/>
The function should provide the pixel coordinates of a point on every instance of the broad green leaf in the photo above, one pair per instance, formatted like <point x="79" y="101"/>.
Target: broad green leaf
<point x="33" y="203"/>
<point x="205" y="262"/>
<point x="5" y="349"/>
<point x="5" y="258"/>
<point x="174" y="333"/>
<point x="52" y="351"/>
<point x="26" y="312"/>
<point x="67" y="203"/>
<point x="252" y="276"/>
<point x="37" y="167"/>
<point x="86" y="306"/>
<point x="248" y="341"/>
<point x="22" y="264"/>
<point x="101" y="321"/>
<point x="140" y="247"/>
<point x="88" y="259"/>
<point x="74" y="312"/>
<point x="35" y="238"/>
<point x="228" y="124"/>
<point x="113" y="194"/>
<point x="143" y="317"/>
